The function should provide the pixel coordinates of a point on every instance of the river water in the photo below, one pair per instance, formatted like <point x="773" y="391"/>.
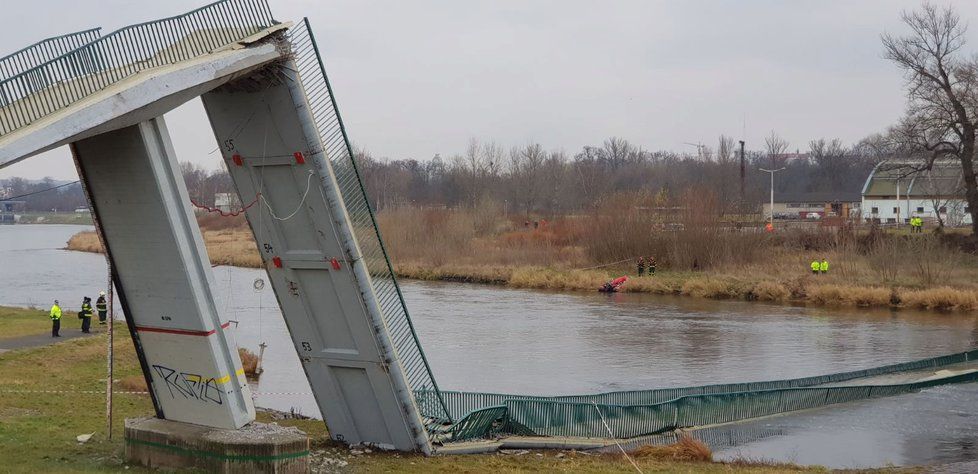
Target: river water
<point x="484" y="338"/>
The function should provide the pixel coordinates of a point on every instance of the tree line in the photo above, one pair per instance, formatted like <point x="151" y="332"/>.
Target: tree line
<point x="531" y="179"/>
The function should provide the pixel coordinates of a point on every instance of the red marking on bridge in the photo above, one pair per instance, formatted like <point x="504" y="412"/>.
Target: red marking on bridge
<point x="182" y="332"/>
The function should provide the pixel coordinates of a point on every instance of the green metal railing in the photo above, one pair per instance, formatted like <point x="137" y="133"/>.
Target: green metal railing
<point x="404" y="339"/>
<point x="459" y="403"/>
<point x="57" y="83"/>
<point x="550" y="418"/>
<point x="43" y="51"/>
<point x="645" y="412"/>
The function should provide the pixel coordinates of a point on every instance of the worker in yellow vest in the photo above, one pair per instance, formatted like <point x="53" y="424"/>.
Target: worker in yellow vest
<point x="824" y="266"/>
<point x="815" y="266"/>
<point x="55" y="320"/>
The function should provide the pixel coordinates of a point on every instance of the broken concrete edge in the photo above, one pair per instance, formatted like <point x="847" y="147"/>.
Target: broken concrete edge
<point x="524" y="442"/>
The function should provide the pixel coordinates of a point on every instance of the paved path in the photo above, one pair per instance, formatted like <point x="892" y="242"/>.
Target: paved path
<point x="37" y="340"/>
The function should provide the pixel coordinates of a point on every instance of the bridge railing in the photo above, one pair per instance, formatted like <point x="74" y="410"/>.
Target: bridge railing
<point x="43" y="51"/>
<point x="68" y="78"/>
<point x="459" y="403"/>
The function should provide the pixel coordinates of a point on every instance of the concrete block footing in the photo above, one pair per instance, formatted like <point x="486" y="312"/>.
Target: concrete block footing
<point x="257" y="447"/>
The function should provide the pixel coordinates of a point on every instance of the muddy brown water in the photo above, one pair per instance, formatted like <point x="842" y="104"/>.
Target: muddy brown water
<point x="486" y="338"/>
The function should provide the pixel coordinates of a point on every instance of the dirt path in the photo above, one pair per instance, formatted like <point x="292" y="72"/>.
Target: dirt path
<point x="38" y="340"/>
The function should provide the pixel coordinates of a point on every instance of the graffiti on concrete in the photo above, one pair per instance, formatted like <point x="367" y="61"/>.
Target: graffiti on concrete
<point x="190" y="386"/>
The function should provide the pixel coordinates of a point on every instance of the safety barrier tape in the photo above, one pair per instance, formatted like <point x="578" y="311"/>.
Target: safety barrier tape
<point x="102" y="392"/>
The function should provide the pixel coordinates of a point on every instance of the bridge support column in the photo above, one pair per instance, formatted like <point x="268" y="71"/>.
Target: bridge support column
<point x="272" y="150"/>
<point x="163" y="276"/>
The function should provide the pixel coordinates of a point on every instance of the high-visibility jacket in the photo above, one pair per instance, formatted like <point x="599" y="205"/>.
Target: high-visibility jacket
<point x="55" y="313"/>
<point x="100" y="305"/>
<point x="824" y="266"/>
<point x="86" y="310"/>
<point x="815" y="265"/>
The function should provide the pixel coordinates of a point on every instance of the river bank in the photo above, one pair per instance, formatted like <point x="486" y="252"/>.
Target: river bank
<point x="41" y="416"/>
<point x="852" y="282"/>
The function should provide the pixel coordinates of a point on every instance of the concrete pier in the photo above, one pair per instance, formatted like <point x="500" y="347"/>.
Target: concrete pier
<point x="258" y="447"/>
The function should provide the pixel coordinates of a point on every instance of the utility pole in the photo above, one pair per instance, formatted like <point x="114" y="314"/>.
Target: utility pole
<point x="109" y="356"/>
<point x="743" y="175"/>
<point x="772" y="191"/>
<point x="699" y="149"/>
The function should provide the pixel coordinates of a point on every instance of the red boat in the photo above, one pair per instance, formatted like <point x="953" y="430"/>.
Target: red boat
<point x="614" y="285"/>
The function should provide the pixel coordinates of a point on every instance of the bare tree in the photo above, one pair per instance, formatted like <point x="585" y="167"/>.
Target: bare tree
<point x="943" y="191"/>
<point x="725" y="149"/>
<point x="776" y="147"/>
<point x="942" y="92"/>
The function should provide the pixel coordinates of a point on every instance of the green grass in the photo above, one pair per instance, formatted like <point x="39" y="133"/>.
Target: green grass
<point x="38" y="430"/>
<point x="81" y="218"/>
<point x="18" y="322"/>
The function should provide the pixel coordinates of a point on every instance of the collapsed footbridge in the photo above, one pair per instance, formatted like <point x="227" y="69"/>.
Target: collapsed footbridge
<point x="273" y="112"/>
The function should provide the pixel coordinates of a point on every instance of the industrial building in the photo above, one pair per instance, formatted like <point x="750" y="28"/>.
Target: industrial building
<point x="897" y="190"/>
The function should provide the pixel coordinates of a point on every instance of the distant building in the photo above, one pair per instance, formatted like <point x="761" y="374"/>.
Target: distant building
<point x="12" y="206"/>
<point x="895" y="192"/>
<point x="225" y="201"/>
<point x="813" y="205"/>
<point x="9" y="210"/>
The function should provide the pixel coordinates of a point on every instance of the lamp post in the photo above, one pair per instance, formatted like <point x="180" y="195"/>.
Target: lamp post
<point x="772" y="190"/>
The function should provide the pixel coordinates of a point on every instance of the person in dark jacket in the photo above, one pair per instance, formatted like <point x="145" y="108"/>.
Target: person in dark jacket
<point x="86" y="315"/>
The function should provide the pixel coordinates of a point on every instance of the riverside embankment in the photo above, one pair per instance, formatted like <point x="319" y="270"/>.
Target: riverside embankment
<point x="914" y="274"/>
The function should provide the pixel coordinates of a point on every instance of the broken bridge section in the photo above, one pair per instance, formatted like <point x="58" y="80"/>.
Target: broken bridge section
<point x="322" y="252"/>
<point x="272" y="110"/>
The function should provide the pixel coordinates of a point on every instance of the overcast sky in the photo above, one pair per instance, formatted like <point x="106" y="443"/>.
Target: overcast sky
<point x="423" y="77"/>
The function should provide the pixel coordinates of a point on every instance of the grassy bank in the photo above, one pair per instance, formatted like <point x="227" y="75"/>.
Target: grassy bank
<point x="49" y="395"/>
<point x="78" y="218"/>
<point x="868" y="267"/>
<point x="18" y="322"/>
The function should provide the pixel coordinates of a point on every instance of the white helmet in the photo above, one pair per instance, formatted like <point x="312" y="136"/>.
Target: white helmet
<point x="101" y="293"/>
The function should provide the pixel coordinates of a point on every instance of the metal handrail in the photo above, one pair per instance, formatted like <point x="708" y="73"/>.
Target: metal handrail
<point x="61" y="81"/>
<point x="45" y="50"/>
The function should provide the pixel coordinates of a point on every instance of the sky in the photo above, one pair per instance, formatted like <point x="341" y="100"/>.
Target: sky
<point x="415" y="79"/>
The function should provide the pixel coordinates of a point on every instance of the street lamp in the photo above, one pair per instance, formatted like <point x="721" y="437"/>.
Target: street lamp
<point x="772" y="190"/>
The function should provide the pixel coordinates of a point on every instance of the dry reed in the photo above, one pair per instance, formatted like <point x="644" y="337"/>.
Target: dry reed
<point x="941" y="298"/>
<point x="132" y="383"/>
<point x="686" y="448"/>
<point x="249" y="362"/>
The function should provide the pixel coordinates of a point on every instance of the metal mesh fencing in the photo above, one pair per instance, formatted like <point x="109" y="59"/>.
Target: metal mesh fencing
<point x="554" y="418"/>
<point x="41" y="90"/>
<point x="43" y="51"/>
<point x="404" y="339"/>
<point x="460" y="403"/>
<point x="646" y="412"/>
